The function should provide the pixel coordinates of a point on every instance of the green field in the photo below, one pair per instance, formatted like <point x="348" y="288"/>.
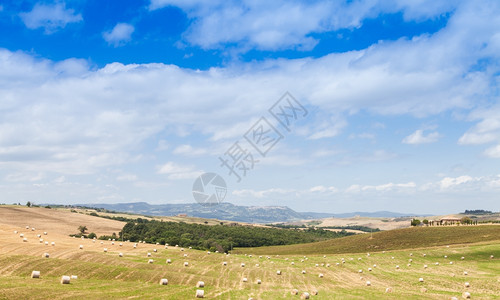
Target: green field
<point x="107" y="276"/>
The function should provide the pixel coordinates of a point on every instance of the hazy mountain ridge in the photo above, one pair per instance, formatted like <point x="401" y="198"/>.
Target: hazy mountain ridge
<point x="231" y="212"/>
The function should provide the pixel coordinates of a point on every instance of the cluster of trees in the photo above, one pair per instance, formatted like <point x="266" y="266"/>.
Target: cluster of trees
<point x="220" y="237"/>
<point x="464" y="221"/>
<point x="477" y="212"/>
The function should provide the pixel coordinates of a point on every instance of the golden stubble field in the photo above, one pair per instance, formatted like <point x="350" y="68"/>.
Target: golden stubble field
<point x="108" y="276"/>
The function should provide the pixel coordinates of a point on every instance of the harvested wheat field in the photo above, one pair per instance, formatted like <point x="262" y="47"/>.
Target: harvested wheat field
<point x="95" y="274"/>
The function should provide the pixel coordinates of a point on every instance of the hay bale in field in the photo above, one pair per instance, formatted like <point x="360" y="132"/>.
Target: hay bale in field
<point x="150" y="261"/>
<point x="278" y="272"/>
<point x="465" y="273"/>
<point x="21" y="235"/>
<point x="324" y="256"/>
<point x="397" y="267"/>
<point x="257" y="265"/>
<point x="388" y="290"/>
<point x="41" y="240"/>
<point x="410" y="260"/>
<point x="102" y="242"/>
<point x="38" y="235"/>
<point x="492" y="257"/>
<point x="44" y="233"/>
<point x="186" y="264"/>
<point x="425" y="255"/>
<point x="320" y="275"/>
<point x="368" y="283"/>
<point x="65" y="279"/>
<point x="359" y="258"/>
<point x="360" y="271"/>
<point x="411" y="254"/>
<point x="93" y="241"/>
<point x="135" y="245"/>
<point x="163" y="281"/>
<point x="46" y="243"/>
<point x="446" y="256"/>
<point x="120" y="254"/>
<point x="15" y="231"/>
<point x="374" y="266"/>
<point x="105" y="250"/>
<point x="294" y="292"/>
<point x="467" y="284"/>
<point x="292" y="263"/>
<point x="337" y="264"/>
<point x="244" y="279"/>
<point x="259" y="281"/>
<point x="466" y="295"/>
<point x="314" y="292"/>
<point x="369" y="269"/>
<point x="25" y="240"/>
<point x="421" y="279"/>
<point x="462" y="258"/>
<point x="224" y="263"/>
<point x="305" y="295"/>
<point x="149" y="254"/>
<point x="242" y="265"/>
<point x="392" y="257"/>
<point x="327" y="265"/>
<point x="169" y="261"/>
<point x="200" y="293"/>
<point x="185" y="255"/>
<point x="74" y="277"/>
<point x="112" y="243"/>
<point x="200" y="284"/>
<point x="27" y="227"/>
<point x="53" y="244"/>
<point x="121" y="244"/>
<point x="425" y="266"/>
<point x="316" y="265"/>
<point x="154" y="250"/>
<point x="437" y="264"/>
<point x="81" y="247"/>
<point x="453" y="298"/>
<point x="303" y="271"/>
<point x="35" y="274"/>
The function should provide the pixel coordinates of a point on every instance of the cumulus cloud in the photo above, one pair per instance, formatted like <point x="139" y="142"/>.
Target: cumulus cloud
<point x="119" y="35"/>
<point x="271" y="25"/>
<point x="51" y="17"/>
<point x="418" y="137"/>
<point x="188" y="150"/>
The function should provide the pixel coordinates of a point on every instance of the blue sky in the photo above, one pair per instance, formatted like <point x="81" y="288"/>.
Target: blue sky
<point x="124" y="101"/>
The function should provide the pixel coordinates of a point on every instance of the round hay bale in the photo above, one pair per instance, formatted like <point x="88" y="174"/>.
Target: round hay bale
<point x="149" y="254"/>
<point x="200" y="284"/>
<point x="467" y="284"/>
<point x="65" y="279"/>
<point x="466" y="295"/>
<point x="369" y="269"/>
<point x="425" y="266"/>
<point x="316" y="265"/>
<point x="200" y="293"/>
<point x="425" y="255"/>
<point x="35" y="274"/>
<point x="44" y="233"/>
<point x="259" y="281"/>
<point x="21" y="235"/>
<point x="163" y="281"/>
<point x="388" y="290"/>
<point x="305" y="295"/>
<point x="327" y="265"/>
<point x="437" y="264"/>
<point x="74" y="277"/>
<point x="93" y="241"/>
<point x="25" y="240"/>
<point x="337" y="264"/>
<point x="410" y="260"/>
<point x="465" y="273"/>
<point x="492" y="257"/>
<point x="224" y="263"/>
<point x="257" y="265"/>
<point x="421" y="279"/>
<point x="105" y="249"/>
<point x="292" y="263"/>
<point x="81" y="246"/>
<point x="451" y="262"/>
<point x="38" y="235"/>
<point x="41" y="240"/>
<point x="242" y="265"/>
<point x="462" y="258"/>
<point x="186" y="264"/>
<point x="150" y="261"/>
<point x="320" y="275"/>
<point x="294" y="292"/>
<point x="27" y="227"/>
<point x="303" y="271"/>
<point x="154" y="250"/>
<point x="314" y="292"/>
<point x="135" y="245"/>
<point x="46" y="243"/>
<point x="185" y="255"/>
<point x="411" y="254"/>
<point x="112" y="243"/>
<point x="15" y="231"/>
<point x="374" y="266"/>
<point x="53" y="244"/>
<point x="169" y="261"/>
<point x="360" y="271"/>
<point x="102" y="242"/>
<point x="244" y="279"/>
<point x="368" y="283"/>
<point x="397" y="267"/>
<point x="446" y="256"/>
<point x="121" y="244"/>
<point x="120" y="254"/>
<point x="278" y="272"/>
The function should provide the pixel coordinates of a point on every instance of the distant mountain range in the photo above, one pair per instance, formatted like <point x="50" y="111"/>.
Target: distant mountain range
<point x="231" y="212"/>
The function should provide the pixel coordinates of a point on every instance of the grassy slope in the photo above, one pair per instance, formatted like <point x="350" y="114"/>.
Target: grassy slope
<point x="389" y="240"/>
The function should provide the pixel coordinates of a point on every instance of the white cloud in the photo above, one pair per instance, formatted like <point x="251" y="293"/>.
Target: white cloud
<point x="119" y="35"/>
<point x="176" y="171"/>
<point x="493" y="152"/>
<point x="271" y="25"/>
<point x="51" y="17"/>
<point x="449" y="182"/>
<point x="24" y="177"/>
<point x="389" y="186"/>
<point x="188" y="150"/>
<point x="323" y="189"/>
<point x="418" y="137"/>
